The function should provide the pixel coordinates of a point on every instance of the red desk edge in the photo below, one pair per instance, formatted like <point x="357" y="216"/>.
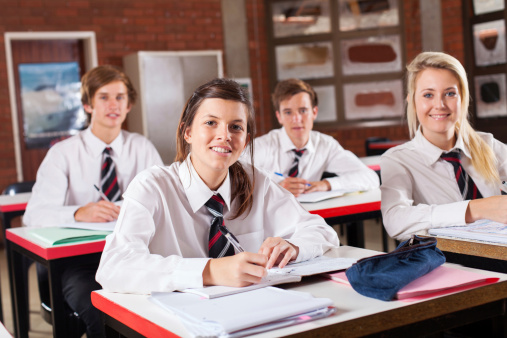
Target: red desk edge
<point x="347" y="210"/>
<point x="13" y="207"/>
<point x="123" y="315"/>
<point x="374" y="167"/>
<point x="56" y="252"/>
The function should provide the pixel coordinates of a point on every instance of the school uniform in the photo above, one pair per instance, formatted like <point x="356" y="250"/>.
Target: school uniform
<point x="160" y="242"/>
<point x="273" y="152"/>
<point x="419" y="189"/>
<point x="64" y="183"/>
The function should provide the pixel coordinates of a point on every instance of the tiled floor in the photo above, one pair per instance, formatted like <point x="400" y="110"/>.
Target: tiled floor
<point x="40" y="329"/>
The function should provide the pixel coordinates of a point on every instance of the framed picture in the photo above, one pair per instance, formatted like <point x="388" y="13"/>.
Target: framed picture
<point x="488" y="6"/>
<point x="299" y="18"/>
<point x="371" y="55"/>
<point x="50" y="102"/>
<point x="304" y="61"/>
<point x="327" y="103"/>
<point x="373" y="100"/>
<point x="367" y="14"/>
<point x="490" y="95"/>
<point x="489" y="43"/>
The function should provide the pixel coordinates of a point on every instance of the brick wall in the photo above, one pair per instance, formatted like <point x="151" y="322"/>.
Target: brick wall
<point x="126" y="26"/>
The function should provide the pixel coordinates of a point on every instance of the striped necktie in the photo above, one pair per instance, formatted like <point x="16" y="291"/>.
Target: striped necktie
<point x="218" y="245"/>
<point x="466" y="184"/>
<point x="294" y="170"/>
<point x="109" y="180"/>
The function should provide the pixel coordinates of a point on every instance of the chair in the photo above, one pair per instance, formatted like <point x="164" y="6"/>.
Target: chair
<point x="372" y="151"/>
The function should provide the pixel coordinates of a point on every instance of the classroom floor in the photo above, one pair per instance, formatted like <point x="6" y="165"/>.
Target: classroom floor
<point x="40" y="329"/>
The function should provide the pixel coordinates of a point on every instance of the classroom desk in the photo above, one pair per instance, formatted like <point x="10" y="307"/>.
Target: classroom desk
<point x="372" y="162"/>
<point x="55" y="259"/>
<point x="350" y="208"/>
<point x="134" y="315"/>
<point x="472" y="247"/>
<point x="11" y="206"/>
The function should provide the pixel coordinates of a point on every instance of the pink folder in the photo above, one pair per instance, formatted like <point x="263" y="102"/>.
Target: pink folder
<point x="441" y="281"/>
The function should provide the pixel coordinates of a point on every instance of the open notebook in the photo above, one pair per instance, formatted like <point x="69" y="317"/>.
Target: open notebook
<point x="482" y="230"/>
<point x="440" y="281"/>
<point x="290" y="273"/>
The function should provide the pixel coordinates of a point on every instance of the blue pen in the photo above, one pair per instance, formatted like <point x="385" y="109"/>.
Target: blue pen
<point x="279" y="174"/>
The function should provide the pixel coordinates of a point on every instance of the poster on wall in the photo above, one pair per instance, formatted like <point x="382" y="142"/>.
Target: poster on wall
<point x="51" y="102"/>
<point x="489" y="43"/>
<point x="490" y="93"/>
<point x="488" y="6"/>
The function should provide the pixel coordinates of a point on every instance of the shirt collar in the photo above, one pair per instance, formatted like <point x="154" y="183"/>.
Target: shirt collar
<point x="431" y="152"/>
<point x="97" y="146"/>
<point x="287" y="145"/>
<point x="197" y="191"/>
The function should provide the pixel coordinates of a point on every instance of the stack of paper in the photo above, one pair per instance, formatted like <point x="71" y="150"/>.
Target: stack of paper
<point x="257" y="310"/>
<point x="482" y="230"/>
<point x="56" y="235"/>
<point x="441" y="280"/>
<point x="290" y="273"/>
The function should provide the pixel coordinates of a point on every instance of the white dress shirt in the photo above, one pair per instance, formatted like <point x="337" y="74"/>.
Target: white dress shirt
<point x="71" y="167"/>
<point x="419" y="190"/>
<point x="160" y="242"/>
<point x="273" y="153"/>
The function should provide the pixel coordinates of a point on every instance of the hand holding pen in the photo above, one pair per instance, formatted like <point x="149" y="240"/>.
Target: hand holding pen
<point x="104" y="197"/>
<point x="101" y="211"/>
<point x="295" y="185"/>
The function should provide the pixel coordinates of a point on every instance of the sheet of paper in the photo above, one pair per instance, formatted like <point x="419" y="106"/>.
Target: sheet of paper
<point x="107" y="226"/>
<point x="239" y="311"/>
<point x="482" y="230"/>
<point x="273" y="278"/>
<point x="318" y="196"/>
<point x="317" y="265"/>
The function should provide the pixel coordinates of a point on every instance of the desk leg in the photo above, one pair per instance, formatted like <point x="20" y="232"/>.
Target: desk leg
<point x="61" y="327"/>
<point x="355" y="234"/>
<point x="20" y="311"/>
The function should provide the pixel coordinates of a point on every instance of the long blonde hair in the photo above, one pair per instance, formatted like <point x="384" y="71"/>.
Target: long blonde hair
<point x="483" y="158"/>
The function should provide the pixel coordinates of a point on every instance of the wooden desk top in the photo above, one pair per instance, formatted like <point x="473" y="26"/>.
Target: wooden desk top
<point x="21" y="237"/>
<point x="472" y="247"/>
<point x="18" y="202"/>
<point x="348" y="204"/>
<point x="357" y="315"/>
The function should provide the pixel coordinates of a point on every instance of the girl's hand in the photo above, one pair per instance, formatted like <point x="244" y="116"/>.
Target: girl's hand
<point x="242" y="269"/>
<point x="279" y="252"/>
<point x="493" y="208"/>
<point x="295" y="185"/>
<point x="318" y="186"/>
<point x="103" y="211"/>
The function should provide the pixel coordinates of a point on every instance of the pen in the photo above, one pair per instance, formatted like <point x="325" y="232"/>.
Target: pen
<point x="104" y="197"/>
<point x="231" y="238"/>
<point x="280" y="174"/>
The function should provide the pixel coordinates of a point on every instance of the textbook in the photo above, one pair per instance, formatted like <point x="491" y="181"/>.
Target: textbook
<point x="243" y="313"/>
<point x="482" y="230"/>
<point x="440" y="281"/>
<point x="289" y="274"/>
<point x="57" y="236"/>
<point x="103" y="226"/>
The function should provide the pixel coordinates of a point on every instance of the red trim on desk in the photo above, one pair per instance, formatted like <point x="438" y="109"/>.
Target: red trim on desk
<point x="13" y="207"/>
<point x="347" y="210"/>
<point x="129" y="318"/>
<point x="374" y="167"/>
<point x="56" y="252"/>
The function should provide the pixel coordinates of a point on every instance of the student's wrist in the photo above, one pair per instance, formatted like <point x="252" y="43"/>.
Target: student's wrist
<point x="472" y="213"/>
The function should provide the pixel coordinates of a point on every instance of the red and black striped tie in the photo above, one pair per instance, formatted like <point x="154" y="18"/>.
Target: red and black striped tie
<point x="466" y="184"/>
<point x="294" y="170"/>
<point x="218" y="245"/>
<point x="109" y="180"/>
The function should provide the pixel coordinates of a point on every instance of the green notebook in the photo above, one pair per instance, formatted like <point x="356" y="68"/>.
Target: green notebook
<point x="56" y="236"/>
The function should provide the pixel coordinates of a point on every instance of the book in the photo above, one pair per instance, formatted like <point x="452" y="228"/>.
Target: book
<point x="103" y="226"/>
<point x="58" y="236"/>
<point x="440" y="281"/>
<point x="482" y="230"/>
<point x="290" y="273"/>
<point x="261" y="309"/>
